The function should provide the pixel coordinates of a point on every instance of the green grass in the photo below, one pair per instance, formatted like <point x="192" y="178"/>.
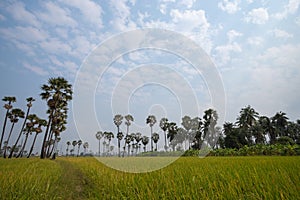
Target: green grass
<point x="186" y="178"/>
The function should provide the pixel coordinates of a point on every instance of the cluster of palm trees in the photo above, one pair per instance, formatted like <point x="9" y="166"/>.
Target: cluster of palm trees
<point x="32" y="125"/>
<point x="71" y="152"/>
<point x="251" y="129"/>
<point x="194" y="132"/>
<point x="57" y="93"/>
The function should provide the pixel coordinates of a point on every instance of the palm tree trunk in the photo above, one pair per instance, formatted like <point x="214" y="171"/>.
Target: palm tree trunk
<point x="24" y="123"/>
<point x="119" y="146"/>
<point x="43" y="152"/>
<point x="13" y="147"/>
<point x="11" y="129"/>
<point x="4" y="125"/>
<point x="165" y="141"/>
<point x="23" y="148"/>
<point x="31" y="149"/>
<point x="99" y="148"/>
<point x="151" y="140"/>
<point x="48" y="154"/>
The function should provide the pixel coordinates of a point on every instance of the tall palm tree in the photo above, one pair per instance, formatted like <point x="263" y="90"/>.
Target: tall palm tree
<point x="108" y="136"/>
<point x="29" y="128"/>
<point x="37" y="130"/>
<point x="247" y="117"/>
<point x="74" y="143"/>
<point x="163" y="124"/>
<point x="99" y="136"/>
<point x="155" y="138"/>
<point x="67" y="150"/>
<point x="14" y="116"/>
<point x="120" y="137"/>
<point x="29" y="105"/>
<point x="118" y="121"/>
<point x="128" y="121"/>
<point x="57" y="94"/>
<point x="187" y="125"/>
<point x="145" y="141"/>
<point x="138" y="138"/>
<point x="280" y="122"/>
<point x="128" y="139"/>
<point x="172" y="132"/>
<point x="151" y="120"/>
<point x="79" y="143"/>
<point x="7" y="106"/>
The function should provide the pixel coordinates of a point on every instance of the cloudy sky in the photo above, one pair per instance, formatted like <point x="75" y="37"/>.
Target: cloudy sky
<point x="254" y="45"/>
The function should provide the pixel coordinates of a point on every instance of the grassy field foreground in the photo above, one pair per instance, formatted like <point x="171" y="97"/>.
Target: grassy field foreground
<point x="187" y="178"/>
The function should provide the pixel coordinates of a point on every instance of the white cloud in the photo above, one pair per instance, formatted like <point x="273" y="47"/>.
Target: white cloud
<point x="24" y="34"/>
<point x="163" y="8"/>
<point x="223" y="53"/>
<point x="55" y="46"/>
<point x="188" y="3"/>
<point x="91" y="11"/>
<point x="35" y="69"/>
<point x="228" y="6"/>
<point x="278" y="33"/>
<point x="57" y="16"/>
<point x="257" y="16"/>
<point x="232" y="34"/>
<point x="121" y="21"/>
<point x="19" y="12"/>
<point x="256" y="41"/>
<point x="290" y="8"/>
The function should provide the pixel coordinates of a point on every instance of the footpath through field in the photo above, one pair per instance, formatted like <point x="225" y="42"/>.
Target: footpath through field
<point x="74" y="184"/>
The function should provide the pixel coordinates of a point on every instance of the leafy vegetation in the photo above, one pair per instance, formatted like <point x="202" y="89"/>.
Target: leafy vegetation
<point x="187" y="178"/>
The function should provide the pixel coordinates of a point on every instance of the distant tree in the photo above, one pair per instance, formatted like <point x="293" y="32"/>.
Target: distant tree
<point x="128" y="139"/>
<point x="155" y="138"/>
<point x="120" y="136"/>
<point x="187" y="125"/>
<point x="138" y="138"/>
<point x="74" y="143"/>
<point x="79" y="143"/>
<point x="151" y="120"/>
<point x="99" y="136"/>
<point x="145" y="141"/>
<point x="172" y="132"/>
<point x="108" y="136"/>
<point x="7" y="106"/>
<point x="280" y="121"/>
<point x="128" y="121"/>
<point x="163" y="124"/>
<point x="37" y="130"/>
<point x="14" y="116"/>
<point x="67" y="150"/>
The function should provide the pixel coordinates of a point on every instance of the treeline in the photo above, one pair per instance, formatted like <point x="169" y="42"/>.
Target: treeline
<point x="259" y="135"/>
<point x="57" y="93"/>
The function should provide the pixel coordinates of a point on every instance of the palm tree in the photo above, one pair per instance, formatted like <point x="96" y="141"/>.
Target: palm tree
<point x="247" y="117"/>
<point x="120" y="137"/>
<point x="164" y="124"/>
<point x="172" y="132"/>
<point x="138" y="138"/>
<point x="57" y="94"/>
<point x="280" y="121"/>
<point x="128" y="121"/>
<point x="28" y="131"/>
<point x="67" y="150"/>
<point x="145" y="141"/>
<point x="7" y="106"/>
<point x="38" y="130"/>
<point x="108" y="136"/>
<point x="99" y="136"/>
<point x="14" y="116"/>
<point x="85" y="146"/>
<point x="74" y="143"/>
<point x="79" y="143"/>
<point x="29" y="128"/>
<point x="29" y="105"/>
<point x="155" y="138"/>
<point x="118" y="121"/>
<point x="128" y="139"/>
<point x="151" y="120"/>
<point x="187" y="125"/>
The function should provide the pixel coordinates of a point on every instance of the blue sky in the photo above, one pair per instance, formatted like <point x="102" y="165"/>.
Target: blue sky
<point x="254" y="44"/>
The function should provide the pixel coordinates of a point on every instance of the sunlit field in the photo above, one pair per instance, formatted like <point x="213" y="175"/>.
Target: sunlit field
<point x="186" y="178"/>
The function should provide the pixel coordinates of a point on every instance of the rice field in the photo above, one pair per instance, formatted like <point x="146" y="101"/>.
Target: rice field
<point x="187" y="178"/>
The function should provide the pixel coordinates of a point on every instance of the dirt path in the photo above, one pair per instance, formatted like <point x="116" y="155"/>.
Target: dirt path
<point x="74" y="184"/>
